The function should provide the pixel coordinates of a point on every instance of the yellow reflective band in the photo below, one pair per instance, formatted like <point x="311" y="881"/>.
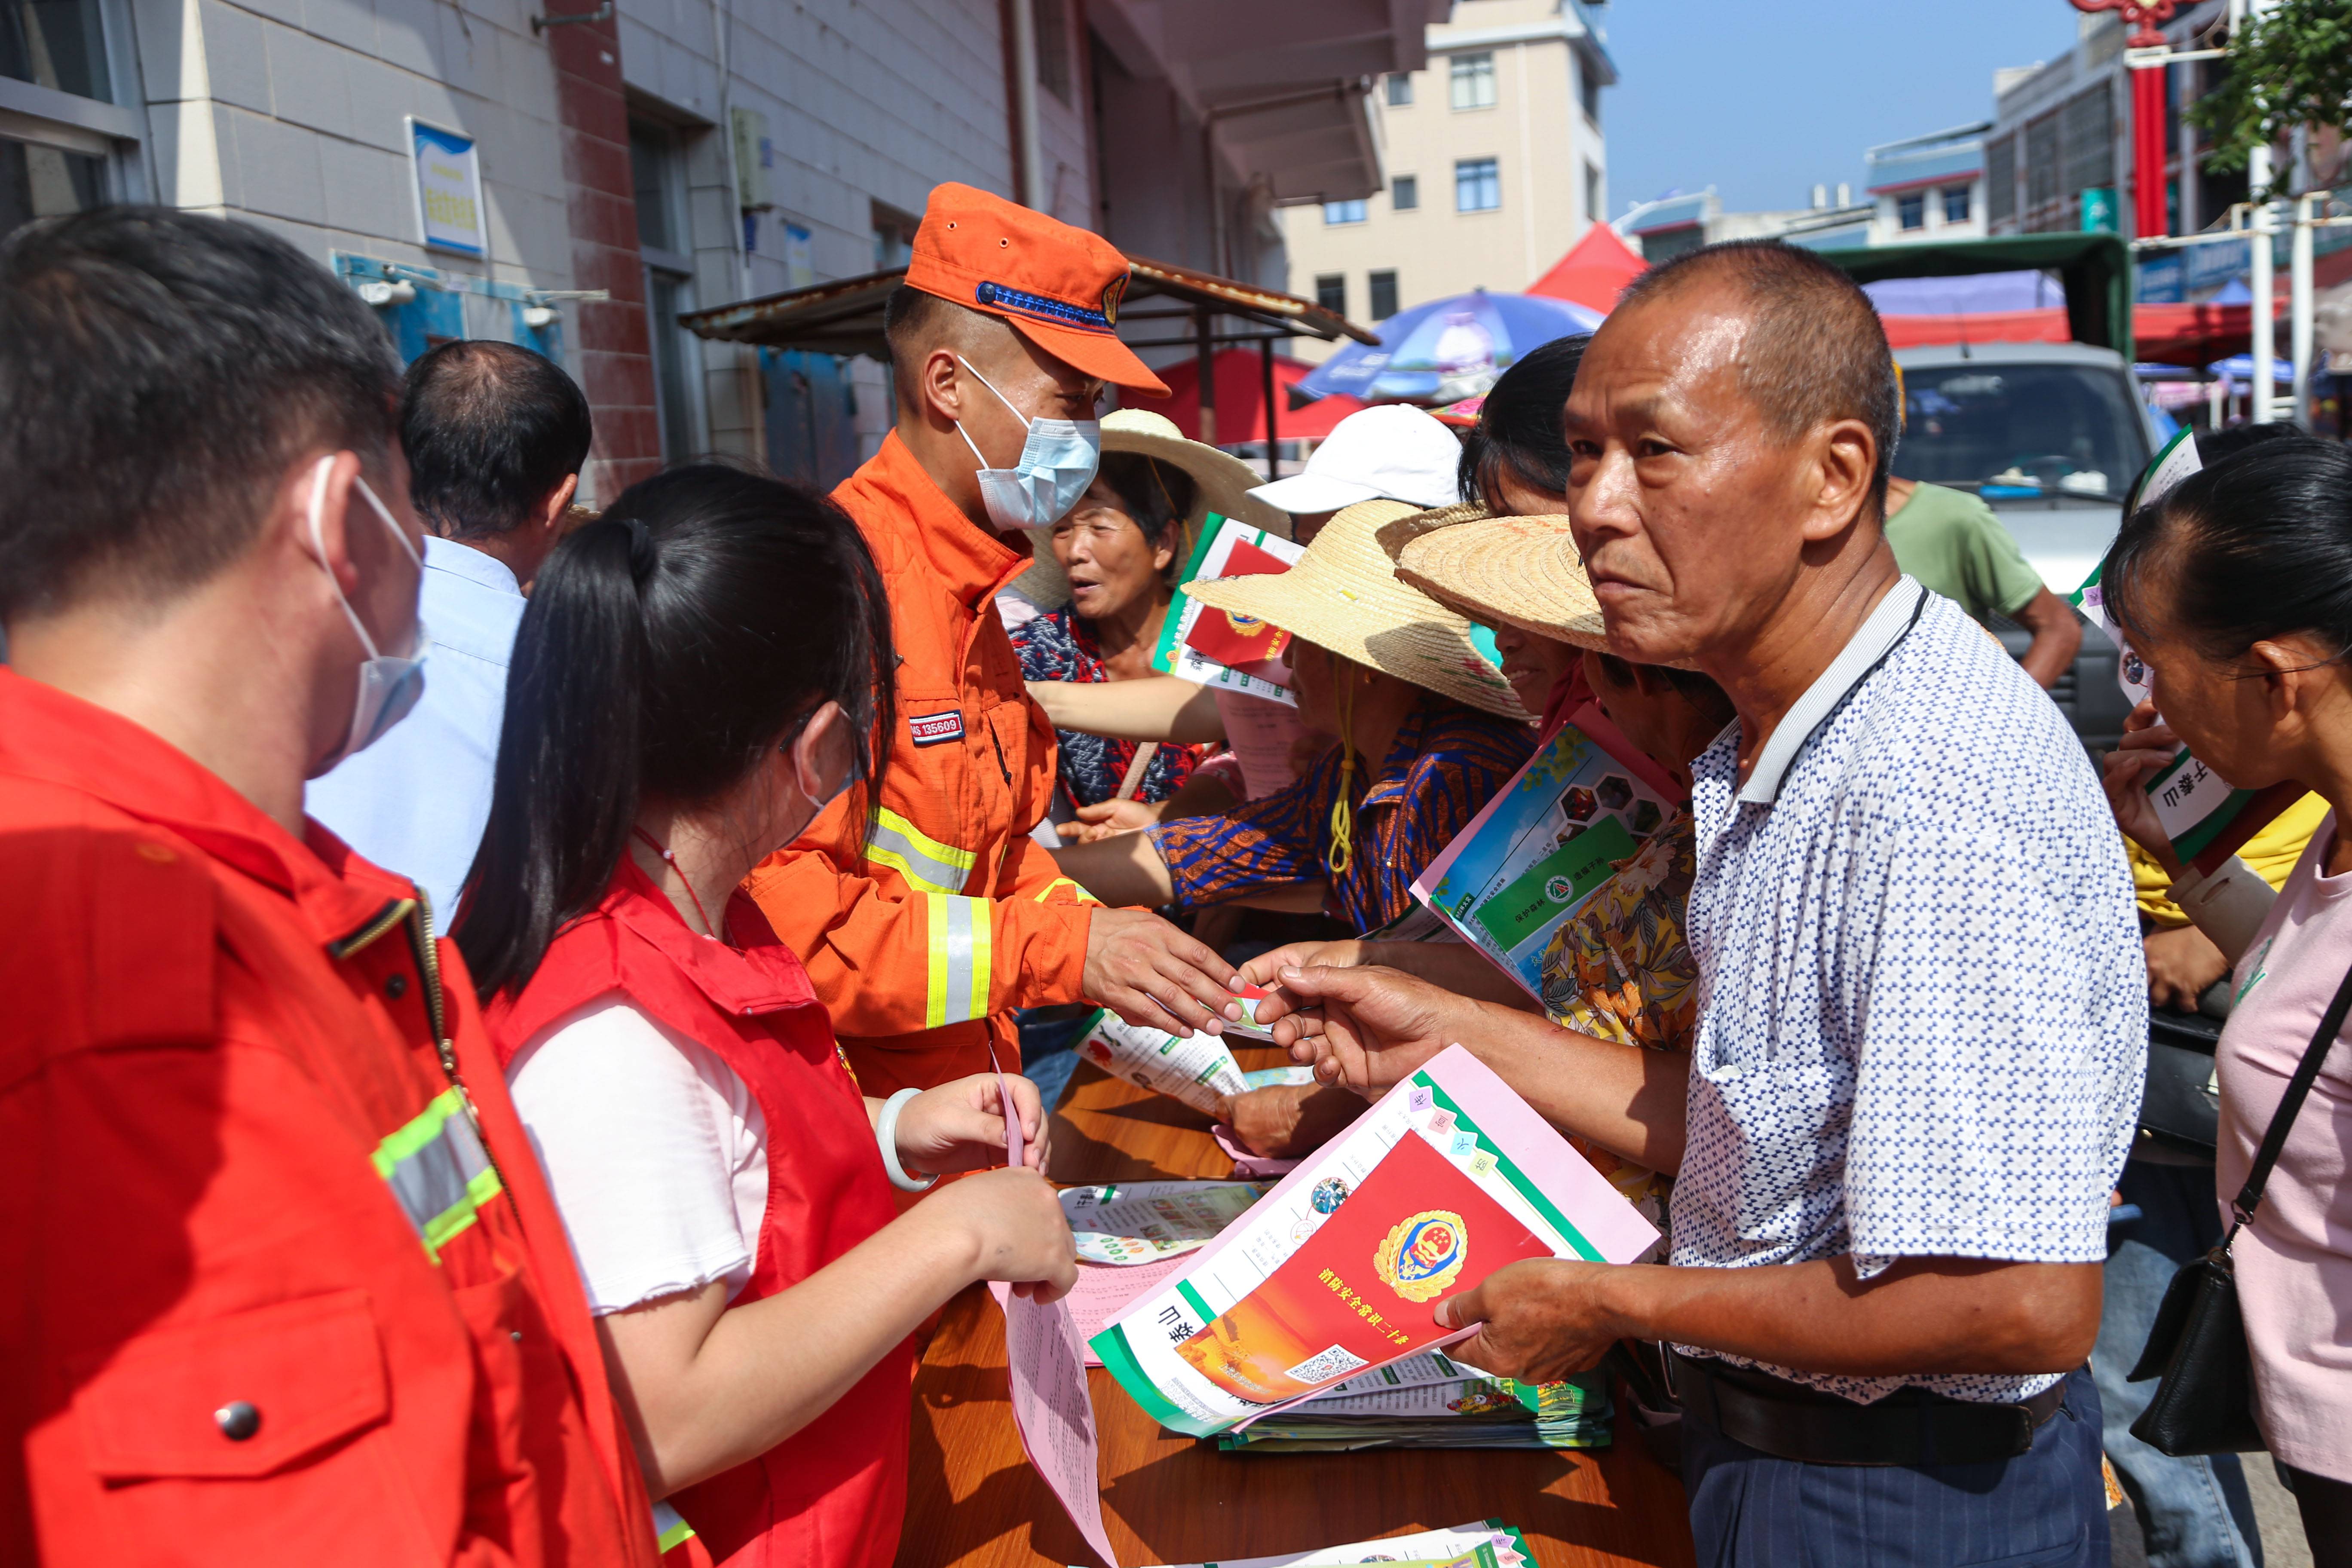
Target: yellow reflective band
<point x="961" y="932"/>
<point x="1084" y="896"/>
<point x="669" y="1527"/>
<point x="439" y="1170"/>
<point x="928" y="866"/>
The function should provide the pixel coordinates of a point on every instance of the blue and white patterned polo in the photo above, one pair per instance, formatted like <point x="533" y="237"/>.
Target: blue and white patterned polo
<point x="1923" y="1001"/>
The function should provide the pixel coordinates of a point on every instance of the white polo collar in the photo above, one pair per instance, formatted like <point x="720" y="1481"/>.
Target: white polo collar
<point x="1871" y="643"/>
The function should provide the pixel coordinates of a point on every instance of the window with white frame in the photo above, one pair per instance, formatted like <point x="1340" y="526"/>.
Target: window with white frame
<point x="1344" y="212"/>
<point x="1477" y="186"/>
<point x="1400" y="89"/>
<point x="1383" y="288"/>
<point x="1404" y="192"/>
<point x="1911" y="211"/>
<point x="1957" y="205"/>
<point x="1331" y="291"/>
<point x="1472" y="80"/>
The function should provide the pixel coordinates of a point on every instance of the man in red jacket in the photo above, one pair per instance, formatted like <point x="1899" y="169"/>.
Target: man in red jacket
<point x="284" y="1283"/>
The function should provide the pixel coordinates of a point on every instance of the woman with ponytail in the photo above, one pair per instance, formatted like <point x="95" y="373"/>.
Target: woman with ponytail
<point x="697" y="676"/>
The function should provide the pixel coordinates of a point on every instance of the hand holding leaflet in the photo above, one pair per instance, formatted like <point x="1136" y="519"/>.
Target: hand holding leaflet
<point x="1342" y="1266"/>
<point x="1230" y="652"/>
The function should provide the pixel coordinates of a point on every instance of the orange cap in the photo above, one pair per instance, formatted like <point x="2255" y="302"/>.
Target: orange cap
<point x="1059" y="286"/>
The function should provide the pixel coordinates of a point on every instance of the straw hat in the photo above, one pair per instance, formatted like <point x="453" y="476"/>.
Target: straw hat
<point x="1343" y="596"/>
<point x="1221" y="484"/>
<point x="1522" y="572"/>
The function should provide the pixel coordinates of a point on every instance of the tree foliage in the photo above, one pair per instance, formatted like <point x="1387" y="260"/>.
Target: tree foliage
<point x="2289" y="66"/>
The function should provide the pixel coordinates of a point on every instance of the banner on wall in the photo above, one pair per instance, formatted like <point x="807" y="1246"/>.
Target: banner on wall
<point x="446" y="167"/>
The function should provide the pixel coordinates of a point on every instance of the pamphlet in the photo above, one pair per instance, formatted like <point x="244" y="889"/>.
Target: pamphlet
<point x="1434" y="1401"/>
<point x="2193" y="804"/>
<point x="1539" y="849"/>
<point x="1199" y="1070"/>
<point x="1141" y="1222"/>
<point x="1341" y="1269"/>
<point x="1216" y="648"/>
<point x="1279" y="1078"/>
<point x="1490" y="1542"/>
<point x="1046" y="1369"/>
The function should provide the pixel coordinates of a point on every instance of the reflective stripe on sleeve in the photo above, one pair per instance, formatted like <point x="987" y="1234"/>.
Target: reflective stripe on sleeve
<point x="928" y="866"/>
<point x="437" y="1169"/>
<point x="962" y="934"/>
<point x="669" y="1527"/>
<point x="1083" y="895"/>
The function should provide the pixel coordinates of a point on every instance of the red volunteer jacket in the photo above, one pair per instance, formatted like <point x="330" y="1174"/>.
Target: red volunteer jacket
<point x="832" y="1495"/>
<point x="271" y="1294"/>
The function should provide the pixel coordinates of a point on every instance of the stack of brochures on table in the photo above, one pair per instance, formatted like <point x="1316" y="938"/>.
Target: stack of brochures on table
<point x="1340" y="1270"/>
<point x="1431" y="1401"/>
<point x="1490" y="1544"/>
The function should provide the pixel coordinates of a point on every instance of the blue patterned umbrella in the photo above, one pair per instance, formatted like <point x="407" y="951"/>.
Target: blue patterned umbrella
<point x="1448" y="349"/>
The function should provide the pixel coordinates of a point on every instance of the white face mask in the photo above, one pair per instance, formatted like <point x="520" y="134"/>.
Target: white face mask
<point x="389" y="685"/>
<point x="1057" y="463"/>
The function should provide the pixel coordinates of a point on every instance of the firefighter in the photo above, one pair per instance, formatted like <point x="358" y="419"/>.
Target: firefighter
<point x="284" y="1283"/>
<point x="926" y="922"/>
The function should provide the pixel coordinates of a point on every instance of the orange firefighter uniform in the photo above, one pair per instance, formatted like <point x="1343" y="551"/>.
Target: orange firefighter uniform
<point x="285" y="1284"/>
<point x="925" y="916"/>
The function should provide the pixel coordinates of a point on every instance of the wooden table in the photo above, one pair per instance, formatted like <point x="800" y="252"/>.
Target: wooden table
<point x="973" y="1500"/>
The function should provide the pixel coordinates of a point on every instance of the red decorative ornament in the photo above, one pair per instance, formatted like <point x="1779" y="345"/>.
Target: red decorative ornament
<point x="2148" y="15"/>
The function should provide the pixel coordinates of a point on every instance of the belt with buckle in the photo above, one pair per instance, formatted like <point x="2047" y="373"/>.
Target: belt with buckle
<point x="1911" y="1427"/>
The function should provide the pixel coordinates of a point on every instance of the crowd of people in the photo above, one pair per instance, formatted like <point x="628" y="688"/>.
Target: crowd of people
<point x="499" y="986"/>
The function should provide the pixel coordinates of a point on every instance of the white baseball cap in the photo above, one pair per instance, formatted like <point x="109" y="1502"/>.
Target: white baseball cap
<point x="1390" y="450"/>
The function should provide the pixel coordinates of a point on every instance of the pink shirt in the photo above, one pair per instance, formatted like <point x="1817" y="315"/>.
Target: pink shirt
<point x="2295" y="1262"/>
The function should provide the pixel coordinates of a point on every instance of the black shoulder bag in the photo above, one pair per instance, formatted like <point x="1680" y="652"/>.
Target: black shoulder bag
<point x="2198" y="1344"/>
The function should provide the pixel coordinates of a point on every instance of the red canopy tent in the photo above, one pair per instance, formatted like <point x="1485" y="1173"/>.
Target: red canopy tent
<point x="1594" y="271"/>
<point x="1241" y="400"/>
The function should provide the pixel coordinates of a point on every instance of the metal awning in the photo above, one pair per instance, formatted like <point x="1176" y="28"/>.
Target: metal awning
<point x="844" y="317"/>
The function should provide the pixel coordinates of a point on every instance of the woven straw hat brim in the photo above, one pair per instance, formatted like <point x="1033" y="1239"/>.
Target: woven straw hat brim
<point x="1395" y="536"/>
<point x="1222" y="481"/>
<point x="1343" y="596"/>
<point x="1522" y="572"/>
<point x="1222" y="484"/>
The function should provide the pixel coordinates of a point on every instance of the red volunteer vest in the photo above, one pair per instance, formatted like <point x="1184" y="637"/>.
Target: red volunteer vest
<point x="833" y="1494"/>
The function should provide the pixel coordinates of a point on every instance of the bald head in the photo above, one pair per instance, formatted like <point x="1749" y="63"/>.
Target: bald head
<point x="1813" y="353"/>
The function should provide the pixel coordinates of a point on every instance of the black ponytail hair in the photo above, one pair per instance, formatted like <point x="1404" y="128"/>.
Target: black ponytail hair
<point x="1518" y="431"/>
<point x="2258" y="546"/>
<point x="668" y="649"/>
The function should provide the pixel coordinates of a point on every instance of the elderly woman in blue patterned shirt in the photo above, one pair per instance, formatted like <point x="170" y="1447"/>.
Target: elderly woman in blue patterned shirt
<point x="1429" y="732"/>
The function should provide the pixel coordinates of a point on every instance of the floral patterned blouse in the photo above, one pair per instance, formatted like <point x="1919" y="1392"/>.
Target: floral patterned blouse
<point x="1058" y="645"/>
<point x="1447" y="761"/>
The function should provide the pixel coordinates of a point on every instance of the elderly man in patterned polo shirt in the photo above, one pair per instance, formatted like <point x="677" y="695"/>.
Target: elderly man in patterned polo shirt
<point x="1923" y="1009"/>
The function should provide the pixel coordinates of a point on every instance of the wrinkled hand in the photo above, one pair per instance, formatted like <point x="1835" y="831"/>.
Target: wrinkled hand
<point x="2181" y="966"/>
<point x="1268" y="967"/>
<point x="1106" y="818"/>
<point x="1366" y="1027"/>
<point x="1014" y="1224"/>
<point x="959" y="1126"/>
<point x="1289" y="1120"/>
<point x="1540" y="1319"/>
<point x="1149" y="973"/>
<point x="2149" y="745"/>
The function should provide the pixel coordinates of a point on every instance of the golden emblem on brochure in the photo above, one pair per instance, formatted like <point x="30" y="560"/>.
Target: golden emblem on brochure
<point x="1423" y="1254"/>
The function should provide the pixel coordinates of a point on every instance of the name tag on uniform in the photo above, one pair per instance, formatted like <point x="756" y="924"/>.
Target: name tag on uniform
<point x="931" y="729"/>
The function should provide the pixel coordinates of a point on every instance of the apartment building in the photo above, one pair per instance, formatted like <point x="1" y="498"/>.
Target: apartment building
<point x="573" y="175"/>
<point x="1496" y="164"/>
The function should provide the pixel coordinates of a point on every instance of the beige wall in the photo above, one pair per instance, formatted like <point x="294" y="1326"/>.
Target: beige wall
<point x="1536" y="132"/>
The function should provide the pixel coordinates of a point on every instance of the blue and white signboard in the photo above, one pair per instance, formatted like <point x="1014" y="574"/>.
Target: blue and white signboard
<point x="448" y="183"/>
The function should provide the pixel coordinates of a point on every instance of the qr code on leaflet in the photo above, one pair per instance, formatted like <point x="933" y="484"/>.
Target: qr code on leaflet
<point x="1336" y="1362"/>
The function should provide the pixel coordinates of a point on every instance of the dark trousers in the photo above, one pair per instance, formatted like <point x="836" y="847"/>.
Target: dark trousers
<point x="2045" y="1508"/>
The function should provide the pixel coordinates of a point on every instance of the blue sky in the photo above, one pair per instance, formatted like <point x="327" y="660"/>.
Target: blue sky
<point x="1762" y="100"/>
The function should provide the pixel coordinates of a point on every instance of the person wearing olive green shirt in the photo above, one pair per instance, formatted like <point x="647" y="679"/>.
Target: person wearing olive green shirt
<point x="1954" y="545"/>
